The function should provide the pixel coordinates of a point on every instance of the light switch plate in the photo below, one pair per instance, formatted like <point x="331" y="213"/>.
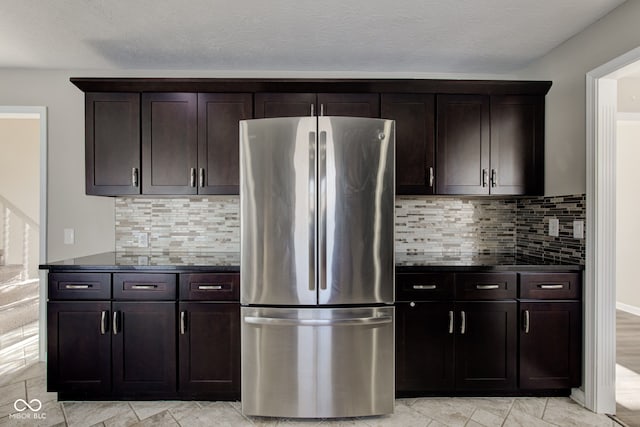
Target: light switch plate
<point x="143" y="240"/>
<point x="554" y="227"/>
<point x="578" y="229"/>
<point x="69" y="236"/>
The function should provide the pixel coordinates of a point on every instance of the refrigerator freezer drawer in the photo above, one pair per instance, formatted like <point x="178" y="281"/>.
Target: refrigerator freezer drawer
<point x="317" y="362"/>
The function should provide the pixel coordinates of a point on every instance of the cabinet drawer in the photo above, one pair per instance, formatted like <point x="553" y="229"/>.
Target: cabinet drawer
<point x="210" y="286"/>
<point x="550" y="285"/>
<point x="424" y="286"/>
<point x="144" y="286"/>
<point x="484" y="286"/>
<point x="87" y="286"/>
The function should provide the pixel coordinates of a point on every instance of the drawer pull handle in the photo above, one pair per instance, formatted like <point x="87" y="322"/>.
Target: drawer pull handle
<point x="526" y="321"/>
<point x="485" y="287"/>
<point x="450" y="321"/>
<point x="103" y="322"/>
<point x="431" y="176"/>
<point x="551" y="286"/>
<point x="77" y="286"/>
<point x="144" y="286"/>
<point x="183" y="322"/>
<point x="209" y="287"/>
<point x="424" y="286"/>
<point x="192" y="174"/>
<point x="134" y="177"/>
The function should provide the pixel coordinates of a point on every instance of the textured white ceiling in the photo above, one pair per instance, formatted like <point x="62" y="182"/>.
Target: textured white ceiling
<point x="434" y="36"/>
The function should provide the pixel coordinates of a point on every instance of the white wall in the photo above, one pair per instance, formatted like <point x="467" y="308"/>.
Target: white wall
<point x="68" y="206"/>
<point x="627" y="208"/>
<point x="567" y="66"/>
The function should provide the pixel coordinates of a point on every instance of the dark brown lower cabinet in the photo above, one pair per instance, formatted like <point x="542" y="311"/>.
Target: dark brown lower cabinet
<point x="144" y="349"/>
<point x="486" y="345"/>
<point x="209" y="350"/>
<point x="550" y="344"/>
<point x="424" y="343"/>
<point x="79" y="347"/>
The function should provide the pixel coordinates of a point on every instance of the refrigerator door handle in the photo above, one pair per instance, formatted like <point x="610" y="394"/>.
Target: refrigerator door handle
<point x="369" y="321"/>
<point x="322" y="214"/>
<point x="312" y="211"/>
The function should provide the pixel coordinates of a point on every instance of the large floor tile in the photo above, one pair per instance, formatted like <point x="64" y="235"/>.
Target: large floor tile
<point x="49" y="415"/>
<point x="35" y="370"/>
<point x="37" y="389"/>
<point x="403" y="416"/>
<point x="517" y="418"/>
<point x="162" y="419"/>
<point x="216" y="413"/>
<point x="533" y="406"/>
<point x="451" y="412"/>
<point x="566" y="412"/>
<point x="83" y="414"/>
<point x="8" y="396"/>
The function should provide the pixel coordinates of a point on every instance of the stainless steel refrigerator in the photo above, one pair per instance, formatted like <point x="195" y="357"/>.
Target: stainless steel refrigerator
<point x="317" y="266"/>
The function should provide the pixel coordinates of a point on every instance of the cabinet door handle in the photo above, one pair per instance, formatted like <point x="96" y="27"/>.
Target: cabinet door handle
<point x="450" y="321"/>
<point x="183" y="322"/>
<point x="193" y="177"/>
<point x="424" y="286"/>
<point x="115" y="323"/>
<point x="201" y="177"/>
<point x="134" y="177"/>
<point x="484" y="177"/>
<point x="209" y="287"/>
<point x="321" y="110"/>
<point x="312" y="108"/>
<point x="431" y="176"/>
<point x="103" y="322"/>
<point x="494" y="177"/>
<point x="551" y="286"/>
<point x="486" y="287"/>
<point x="526" y="321"/>
<point x="77" y="286"/>
<point x="463" y="323"/>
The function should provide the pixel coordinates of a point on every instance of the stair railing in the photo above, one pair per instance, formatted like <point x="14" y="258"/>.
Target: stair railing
<point x="9" y="210"/>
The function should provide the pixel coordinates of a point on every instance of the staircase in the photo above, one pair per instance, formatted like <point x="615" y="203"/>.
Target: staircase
<point x="19" y="290"/>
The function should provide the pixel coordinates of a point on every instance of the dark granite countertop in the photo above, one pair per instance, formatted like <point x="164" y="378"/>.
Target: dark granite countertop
<point x="170" y="261"/>
<point x="230" y="262"/>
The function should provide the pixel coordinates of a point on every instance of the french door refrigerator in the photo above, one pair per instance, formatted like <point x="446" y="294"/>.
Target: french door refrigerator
<point x="317" y="266"/>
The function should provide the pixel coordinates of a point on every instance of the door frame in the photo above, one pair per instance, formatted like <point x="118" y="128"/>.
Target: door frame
<point x="41" y="114"/>
<point x="600" y="268"/>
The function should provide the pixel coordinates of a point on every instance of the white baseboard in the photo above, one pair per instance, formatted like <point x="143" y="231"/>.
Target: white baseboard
<point x="578" y="396"/>
<point x="628" y="308"/>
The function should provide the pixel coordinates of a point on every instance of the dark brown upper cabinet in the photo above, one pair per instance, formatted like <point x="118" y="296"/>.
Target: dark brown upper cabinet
<point x="218" y="140"/>
<point x="415" y="147"/>
<point x="517" y="145"/>
<point x="169" y="143"/>
<point x="190" y="142"/>
<point x="112" y="143"/>
<point x="490" y="145"/>
<point x="269" y="105"/>
<point x="462" y="144"/>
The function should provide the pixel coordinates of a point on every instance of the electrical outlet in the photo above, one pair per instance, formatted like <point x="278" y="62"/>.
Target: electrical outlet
<point x="69" y="236"/>
<point x="143" y="240"/>
<point x="578" y="229"/>
<point x="554" y="227"/>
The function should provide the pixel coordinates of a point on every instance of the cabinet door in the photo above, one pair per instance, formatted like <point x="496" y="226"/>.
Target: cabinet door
<point x="169" y="143"/>
<point x="349" y="104"/>
<point x="424" y="347"/>
<point x="462" y="144"/>
<point x="209" y="350"/>
<point x="79" y="348"/>
<point x="269" y="105"/>
<point x="415" y="134"/>
<point x="517" y="145"/>
<point x="218" y="140"/>
<point x="550" y="345"/>
<point x="144" y="349"/>
<point x="112" y="143"/>
<point x="486" y="345"/>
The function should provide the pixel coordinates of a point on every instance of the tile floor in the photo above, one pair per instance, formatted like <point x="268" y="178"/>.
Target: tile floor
<point x="29" y="384"/>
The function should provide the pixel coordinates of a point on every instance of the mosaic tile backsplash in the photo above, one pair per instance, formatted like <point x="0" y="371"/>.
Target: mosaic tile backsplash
<point x="423" y="224"/>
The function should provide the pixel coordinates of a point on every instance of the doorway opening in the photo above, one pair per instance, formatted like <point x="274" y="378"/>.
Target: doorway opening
<point x="22" y="236"/>
<point x="602" y="244"/>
